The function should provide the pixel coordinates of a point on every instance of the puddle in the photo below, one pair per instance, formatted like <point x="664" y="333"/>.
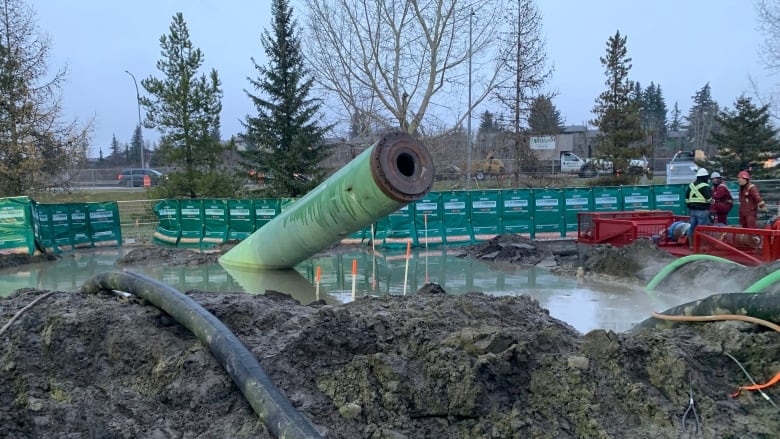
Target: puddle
<point x="586" y="305"/>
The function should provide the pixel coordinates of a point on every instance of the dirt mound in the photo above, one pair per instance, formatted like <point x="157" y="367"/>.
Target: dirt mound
<point x="20" y="259"/>
<point x="425" y="365"/>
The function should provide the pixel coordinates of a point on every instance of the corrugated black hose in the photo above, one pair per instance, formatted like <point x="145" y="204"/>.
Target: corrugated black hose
<point x="273" y="408"/>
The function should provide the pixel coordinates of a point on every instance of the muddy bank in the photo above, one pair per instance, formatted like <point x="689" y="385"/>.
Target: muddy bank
<point x="423" y="365"/>
<point x="426" y="365"/>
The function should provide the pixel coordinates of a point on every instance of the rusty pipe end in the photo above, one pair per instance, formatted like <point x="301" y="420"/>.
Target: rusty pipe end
<point x="402" y="167"/>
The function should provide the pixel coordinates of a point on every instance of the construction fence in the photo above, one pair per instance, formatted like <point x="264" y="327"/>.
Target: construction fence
<point x="440" y="218"/>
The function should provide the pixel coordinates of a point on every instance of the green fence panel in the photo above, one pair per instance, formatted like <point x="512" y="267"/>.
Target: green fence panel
<point x="548" y="212"/>
<point x="241" y="219"/>
<point x="516" y="211"/>
<point x="485" y="214"/>
<point x="286" y="203"/>
<point x="104" y="224"/>
<point x="16" y="226"/>
<point x="215" y="221"/>
<point x="670" y="197"/>
<point x="396" y="229"/>
<point x="266" y="209"/>
<point x="576" y="200"/>
<point x="733" y="217"/>
<point x="455" y="213"/>
<point x="78" y="218"/>
<point x="42" y="228"/>
<point x="637" y="197"/>
<point x="607" y="199"/>
<point x="169" y="226"/>
<point x="428" y="221"/>
<point x="191" y="220"/>
<point x="60" y="226"/>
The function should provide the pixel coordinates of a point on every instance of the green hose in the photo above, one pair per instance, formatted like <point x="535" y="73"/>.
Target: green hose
<point x="273" y="408"/>
<point x="764" y="282"/>
<point x="680" y="262"/>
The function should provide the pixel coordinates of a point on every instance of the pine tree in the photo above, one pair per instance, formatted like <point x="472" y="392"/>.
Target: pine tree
<point x="701" y="120"/>
<point x="544" y="118"/>
<point x="136" y="144"/>
<point x="185" y="110"/>
<point x="285" y="138"/>
<point x="116" y="156"/>
<point x="745" y="139"/>
<point x="616" y="109"/>
<point x="653" y="115"/>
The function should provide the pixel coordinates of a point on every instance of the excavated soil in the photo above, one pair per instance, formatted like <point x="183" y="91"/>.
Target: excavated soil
<point x="427" y="365"/>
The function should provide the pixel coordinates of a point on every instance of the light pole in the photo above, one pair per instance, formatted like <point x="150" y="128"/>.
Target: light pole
<point x="138" y="102"/>
<point x="468" y="122"/>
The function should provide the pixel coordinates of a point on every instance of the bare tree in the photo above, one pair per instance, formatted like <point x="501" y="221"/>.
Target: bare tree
<point x="397" y="63"/>
<point x="37" y="150"/>
<point x="768" y="12"/>
<point x="524" y="56"/>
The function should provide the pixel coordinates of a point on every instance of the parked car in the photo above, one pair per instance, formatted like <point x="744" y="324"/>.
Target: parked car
<point x="135" y="177"/>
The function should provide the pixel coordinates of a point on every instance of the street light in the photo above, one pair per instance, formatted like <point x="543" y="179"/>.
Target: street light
<point x="138" y="102"/>
<point x="468" y="123"/>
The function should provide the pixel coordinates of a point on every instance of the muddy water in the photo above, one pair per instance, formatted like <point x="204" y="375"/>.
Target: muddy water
<point x="585" y="304"/>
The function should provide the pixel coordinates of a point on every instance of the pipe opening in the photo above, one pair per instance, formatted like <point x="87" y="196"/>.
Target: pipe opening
<point x="405" y="164"/>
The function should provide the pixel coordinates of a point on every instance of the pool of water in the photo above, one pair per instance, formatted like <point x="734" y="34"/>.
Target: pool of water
<point x="584" y="304"/>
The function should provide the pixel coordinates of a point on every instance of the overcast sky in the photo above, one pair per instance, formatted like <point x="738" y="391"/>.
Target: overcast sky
<point x="679" y="44"/>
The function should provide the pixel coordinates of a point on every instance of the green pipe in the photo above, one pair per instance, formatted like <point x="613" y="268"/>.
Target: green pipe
<point x="393" y="172"/>
<point x="674" y="265"/>
<point x="273" y="408"/>
<point x="764" y="282"/>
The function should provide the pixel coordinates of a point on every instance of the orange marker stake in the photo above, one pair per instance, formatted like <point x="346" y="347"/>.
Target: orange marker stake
<point x="354" y="278"/>
<point x="406" y="271"/>
<point x="317" y="282"/>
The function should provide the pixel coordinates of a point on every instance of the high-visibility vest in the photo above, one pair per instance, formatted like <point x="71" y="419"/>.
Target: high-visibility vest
<point x="695" y="196"/>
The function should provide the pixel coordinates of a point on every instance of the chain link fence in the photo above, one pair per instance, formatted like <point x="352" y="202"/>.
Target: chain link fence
<point x="137" y="221"/>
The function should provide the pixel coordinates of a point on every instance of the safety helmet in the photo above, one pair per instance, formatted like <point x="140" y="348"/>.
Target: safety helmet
<point x="715" y="174"/>
<point x="702" y="172"/>
<point x="743" y="174"/>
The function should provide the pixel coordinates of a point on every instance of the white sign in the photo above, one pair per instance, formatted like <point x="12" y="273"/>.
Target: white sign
<point x="515" y="203"/>
<point x="542" y="142"/>
<point x="636" y="199"/>
<point x="483" y="204"/>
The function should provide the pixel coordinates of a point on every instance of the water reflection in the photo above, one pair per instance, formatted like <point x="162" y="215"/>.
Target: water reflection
<point x="584" y="305"/>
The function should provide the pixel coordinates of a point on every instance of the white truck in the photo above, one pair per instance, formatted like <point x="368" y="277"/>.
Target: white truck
<point x="682" y="167"/>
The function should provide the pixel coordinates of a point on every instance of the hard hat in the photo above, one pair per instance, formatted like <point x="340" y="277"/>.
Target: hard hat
<point x="715" y="174"/>
<point x="743" y="174"/>
<point x="702" y="172"/>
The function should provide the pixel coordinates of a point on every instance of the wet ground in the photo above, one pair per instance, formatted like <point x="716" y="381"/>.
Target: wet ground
<point x="424" y="365"/>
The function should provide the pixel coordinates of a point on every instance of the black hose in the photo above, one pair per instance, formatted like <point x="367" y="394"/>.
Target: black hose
<point x="765" y="306"/>
<point x="273" y="408"/>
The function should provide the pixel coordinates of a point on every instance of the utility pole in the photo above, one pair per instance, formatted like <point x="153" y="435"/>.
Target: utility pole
<point x="468" y="122"/>
<point x="138" y="103"/>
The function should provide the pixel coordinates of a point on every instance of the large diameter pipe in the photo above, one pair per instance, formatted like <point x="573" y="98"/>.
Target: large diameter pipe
<point x="393" y="172"/>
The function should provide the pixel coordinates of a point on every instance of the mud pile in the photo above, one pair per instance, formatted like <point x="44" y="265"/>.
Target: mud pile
<point x="423" y="365"/>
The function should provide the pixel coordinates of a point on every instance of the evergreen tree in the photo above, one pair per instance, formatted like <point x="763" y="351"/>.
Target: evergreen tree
<point x="117" y="155"/>
<point x="701" y="121"/>
<point x="653" y="115"/>
<point x="136" y="144"/>
<point x="675" y="124"/>
<point x="746" y="138"/>
<point x="185" y="110"/>
<point x="487" y="134"/>
<point x="616" y="109"/>
<point x="285" y="138"/>
<point x="544" y="118"/>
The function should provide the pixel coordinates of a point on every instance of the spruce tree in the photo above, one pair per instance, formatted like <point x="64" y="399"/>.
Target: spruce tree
<point x="701" y="121"/>
<point x="544" y="118"/>
<point x="746" y="139"/>
<point x="185" y="108"/>
<point x="284" y="137"/>
<point x="616" y="109"/>
<point x="136" y="144"/>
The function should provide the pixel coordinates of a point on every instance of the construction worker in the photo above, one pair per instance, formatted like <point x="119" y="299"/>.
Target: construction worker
<point x="698" y="198"/>
<point x="750" y="201"/>
<point x="723" y="201"/>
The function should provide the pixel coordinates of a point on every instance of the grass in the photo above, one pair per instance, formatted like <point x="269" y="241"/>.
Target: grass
<point x="89" y="195"/>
